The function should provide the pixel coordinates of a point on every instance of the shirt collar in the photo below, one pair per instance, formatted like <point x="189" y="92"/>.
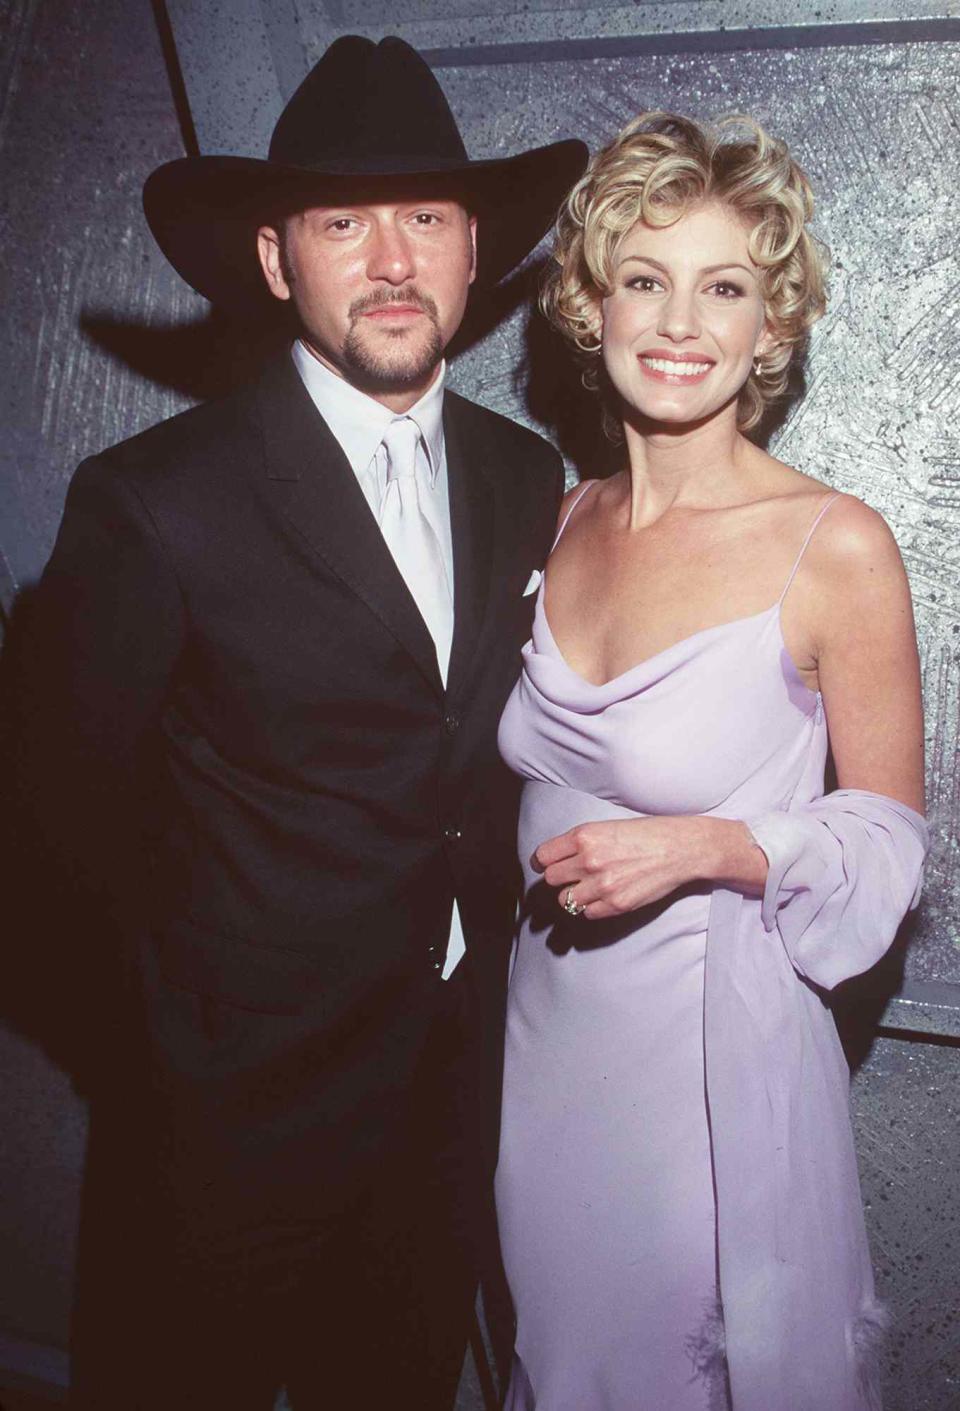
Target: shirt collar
<point x="359" y="422"/>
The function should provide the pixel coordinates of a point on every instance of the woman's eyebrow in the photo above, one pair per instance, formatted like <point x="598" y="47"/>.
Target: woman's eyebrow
<point x="707" y="269"/>
<point x="642" y="259"/>
<point x="730" y="264"/>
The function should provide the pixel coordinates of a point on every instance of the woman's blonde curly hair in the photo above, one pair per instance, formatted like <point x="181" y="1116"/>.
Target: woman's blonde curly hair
<point x="659" y="166"/>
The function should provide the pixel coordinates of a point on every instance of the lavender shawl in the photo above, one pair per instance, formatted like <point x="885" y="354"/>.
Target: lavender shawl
<point x="801" y="1320"/>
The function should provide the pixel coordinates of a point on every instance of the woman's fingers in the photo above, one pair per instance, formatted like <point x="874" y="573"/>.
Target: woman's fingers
<point x="564" y="846"/>
<point x="561" y="874"/>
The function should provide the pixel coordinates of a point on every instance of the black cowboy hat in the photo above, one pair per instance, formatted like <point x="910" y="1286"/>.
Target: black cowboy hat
<point x="364" y="111"/>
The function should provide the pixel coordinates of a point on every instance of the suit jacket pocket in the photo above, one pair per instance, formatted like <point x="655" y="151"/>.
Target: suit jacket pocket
<point x="265" y="979"/>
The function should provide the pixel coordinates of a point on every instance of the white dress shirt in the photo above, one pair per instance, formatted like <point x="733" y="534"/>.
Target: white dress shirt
<point x="358" y="422"/>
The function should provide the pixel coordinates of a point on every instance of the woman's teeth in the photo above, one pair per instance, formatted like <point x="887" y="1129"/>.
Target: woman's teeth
<point x="678" y="369"/>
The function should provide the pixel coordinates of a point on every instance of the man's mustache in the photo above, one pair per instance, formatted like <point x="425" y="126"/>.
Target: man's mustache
<point x="382" y="298"/>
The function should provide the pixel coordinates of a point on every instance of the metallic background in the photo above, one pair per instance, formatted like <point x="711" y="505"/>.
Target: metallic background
<point x="98" y="331"/>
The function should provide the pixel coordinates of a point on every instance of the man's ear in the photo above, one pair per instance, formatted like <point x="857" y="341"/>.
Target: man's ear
<point x="271" y="262"/>
<point x="472" y="223"/>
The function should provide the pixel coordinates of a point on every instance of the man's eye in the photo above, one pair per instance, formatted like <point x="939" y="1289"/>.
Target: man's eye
<point x="426" y="218"/>
<point x="342" y="223"/>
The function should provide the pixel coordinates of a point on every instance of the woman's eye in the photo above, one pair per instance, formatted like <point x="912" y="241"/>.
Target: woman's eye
<point x="643" y="283"/>
<point x="727" y="289"/>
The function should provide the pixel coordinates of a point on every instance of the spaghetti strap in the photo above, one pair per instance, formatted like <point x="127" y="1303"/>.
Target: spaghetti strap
<point x="587" y="485"/>
<point x="834" y="495"/>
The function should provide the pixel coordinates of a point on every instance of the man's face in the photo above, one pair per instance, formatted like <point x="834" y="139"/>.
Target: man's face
<point x="380" y="287"/>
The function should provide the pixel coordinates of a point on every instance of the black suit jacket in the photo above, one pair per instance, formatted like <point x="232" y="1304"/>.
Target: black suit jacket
<point x="240" y="735"/>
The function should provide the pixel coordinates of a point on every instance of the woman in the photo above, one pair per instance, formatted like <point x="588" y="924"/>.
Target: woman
<point x="677" y="1187"/>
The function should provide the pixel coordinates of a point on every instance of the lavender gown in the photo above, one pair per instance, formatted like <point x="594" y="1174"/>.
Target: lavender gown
<point x="605" y="1188"/>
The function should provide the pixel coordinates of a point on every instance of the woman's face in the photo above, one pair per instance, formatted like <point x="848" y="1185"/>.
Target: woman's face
<point x="685" y="318"/>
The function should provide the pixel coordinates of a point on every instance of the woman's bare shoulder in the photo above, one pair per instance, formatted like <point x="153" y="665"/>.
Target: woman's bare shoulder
<point x="854" y="539"/>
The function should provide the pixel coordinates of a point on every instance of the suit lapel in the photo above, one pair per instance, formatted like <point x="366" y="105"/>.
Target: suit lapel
<point x="473" y="509"/>
<point x="321" y="497"/>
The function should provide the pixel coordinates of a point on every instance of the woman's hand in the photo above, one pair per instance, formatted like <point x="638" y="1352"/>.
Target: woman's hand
<point x="613" y="867"/>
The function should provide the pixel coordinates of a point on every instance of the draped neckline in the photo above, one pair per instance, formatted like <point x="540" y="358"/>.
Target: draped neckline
<point x="656" y="660"/>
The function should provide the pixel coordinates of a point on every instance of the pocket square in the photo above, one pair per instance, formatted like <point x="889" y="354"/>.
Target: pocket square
<point x="534" y="583"/>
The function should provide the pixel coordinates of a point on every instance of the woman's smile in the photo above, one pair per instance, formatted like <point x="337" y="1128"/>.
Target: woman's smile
<point x="675" y="368"/>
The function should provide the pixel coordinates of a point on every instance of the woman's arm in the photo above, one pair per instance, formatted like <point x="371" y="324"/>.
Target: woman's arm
<point x="866" y="651"/>
<point x="855" y="597"/>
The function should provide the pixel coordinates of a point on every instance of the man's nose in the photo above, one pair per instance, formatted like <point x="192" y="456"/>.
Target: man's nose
<point x="679" y="318"/>
<point x="391" y="256"/>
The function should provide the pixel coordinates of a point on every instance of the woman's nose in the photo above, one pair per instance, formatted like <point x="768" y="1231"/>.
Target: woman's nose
<point x="678" y="316"/>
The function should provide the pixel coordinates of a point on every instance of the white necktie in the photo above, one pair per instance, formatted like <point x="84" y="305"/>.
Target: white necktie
<point x="411" y="539"/>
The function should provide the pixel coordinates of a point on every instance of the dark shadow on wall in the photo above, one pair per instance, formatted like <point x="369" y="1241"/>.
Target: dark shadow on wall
<point x="210" y="356"/>
<point x="203" y="359"/>
<point x="858" y="1004"/>
<point x="53" y="963"/>
<point x="552" y="383"/>
<point x="66" y="987"/>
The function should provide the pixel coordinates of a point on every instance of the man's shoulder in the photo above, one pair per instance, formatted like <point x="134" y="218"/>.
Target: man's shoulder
<point x="207" y="433"/>
<point x="523" y="443"/>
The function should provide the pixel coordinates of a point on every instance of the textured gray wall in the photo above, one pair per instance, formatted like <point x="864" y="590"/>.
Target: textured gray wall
<point x="906" y="1115"/>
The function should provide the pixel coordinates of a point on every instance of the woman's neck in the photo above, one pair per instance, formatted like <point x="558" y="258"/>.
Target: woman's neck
<point x="695" y="466"/>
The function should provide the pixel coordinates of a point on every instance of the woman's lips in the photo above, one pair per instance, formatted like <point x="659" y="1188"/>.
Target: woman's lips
<point x="678" y="372"/>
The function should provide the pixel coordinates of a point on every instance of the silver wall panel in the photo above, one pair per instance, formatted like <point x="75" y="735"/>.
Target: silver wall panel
<point x="235" y="102"/>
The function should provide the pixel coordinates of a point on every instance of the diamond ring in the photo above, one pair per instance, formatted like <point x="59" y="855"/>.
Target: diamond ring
<point x="569" y="905"/>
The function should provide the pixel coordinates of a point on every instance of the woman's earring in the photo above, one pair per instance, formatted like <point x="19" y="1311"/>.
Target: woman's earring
<point x="757" y="365"/>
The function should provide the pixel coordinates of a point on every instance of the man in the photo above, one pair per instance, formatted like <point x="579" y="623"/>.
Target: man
<point x="284" y="626"/>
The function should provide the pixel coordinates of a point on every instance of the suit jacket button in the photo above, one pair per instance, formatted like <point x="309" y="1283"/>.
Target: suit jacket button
<point x="451" y="722"/>
<point x="452" y="835"/>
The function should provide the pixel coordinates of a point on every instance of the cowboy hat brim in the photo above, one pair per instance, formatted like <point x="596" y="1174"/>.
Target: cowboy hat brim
<point x="204" y="211"/>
